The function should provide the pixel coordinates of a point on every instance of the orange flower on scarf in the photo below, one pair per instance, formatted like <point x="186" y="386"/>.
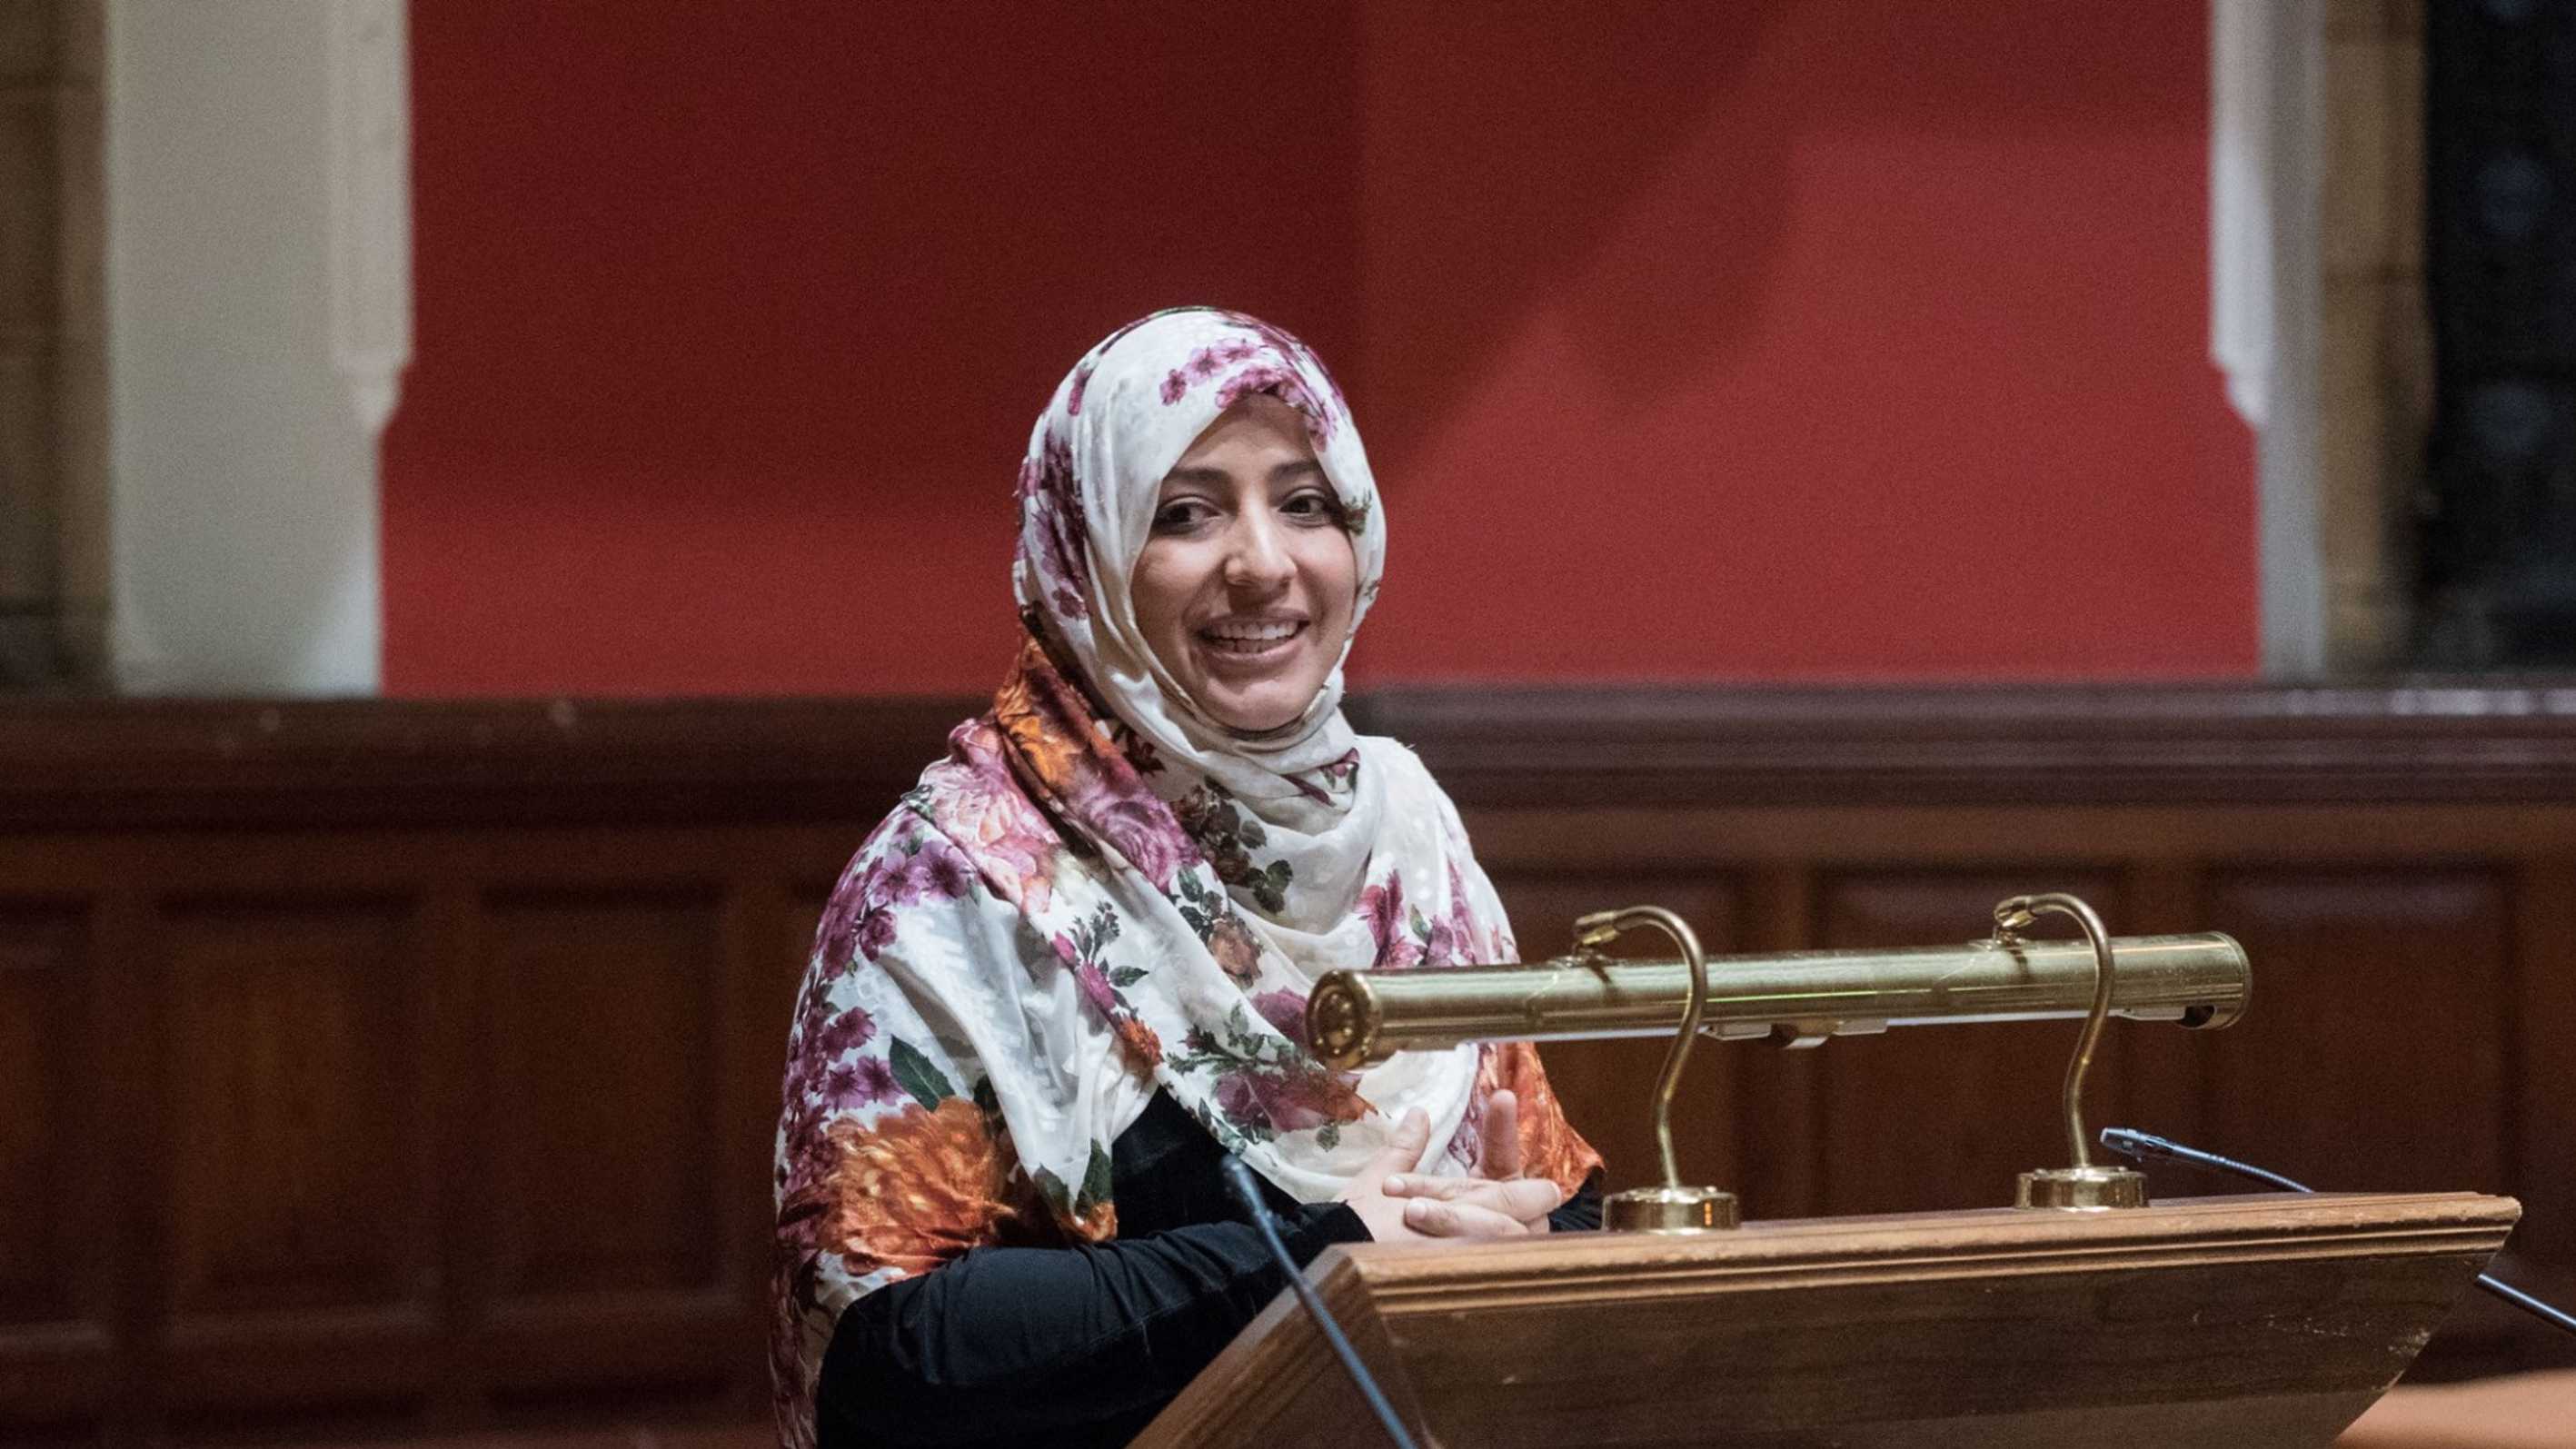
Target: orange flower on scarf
<point x="1051" y="752"/>
<point x="1061" y="755"/>
<point x="1550" y="1147"/>
<point x="915" y="1188"/>
<point x="1144" y="1049"/>
<point x="985" y="811"/>
<point x="1095" y="1224"/>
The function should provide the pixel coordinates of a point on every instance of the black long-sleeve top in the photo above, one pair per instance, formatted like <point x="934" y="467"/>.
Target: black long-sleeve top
<point x="1080" y="1346"/>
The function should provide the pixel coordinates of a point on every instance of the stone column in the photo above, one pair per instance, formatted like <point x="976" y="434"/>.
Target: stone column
<point x="2318" y="312"/>
<point x="2376" y="391"/>
<point x="53" y="485"/>
<point x="259" y="317"/>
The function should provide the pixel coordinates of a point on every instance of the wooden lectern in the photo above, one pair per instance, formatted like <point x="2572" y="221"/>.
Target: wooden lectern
<point x="2082" y="1316"/>
<point x="2229" y="1322"/>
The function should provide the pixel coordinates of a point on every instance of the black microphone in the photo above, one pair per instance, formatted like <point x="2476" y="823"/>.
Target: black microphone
<point x="2130" y="1142"/>
<point x="1247" y="1192"/>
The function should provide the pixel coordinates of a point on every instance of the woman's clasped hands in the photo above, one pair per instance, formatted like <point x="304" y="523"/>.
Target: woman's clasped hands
<point x="1398" y="1203"/>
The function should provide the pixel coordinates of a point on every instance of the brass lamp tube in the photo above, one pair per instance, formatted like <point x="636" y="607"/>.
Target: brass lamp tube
<point x="1357" y="1018"/>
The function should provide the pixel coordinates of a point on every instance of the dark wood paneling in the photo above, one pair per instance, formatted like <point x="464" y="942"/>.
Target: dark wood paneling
<point x="293" y="1097"/>
<point x="2541" y="1057"/>
<point x="2374" y="1058"/>
<point x="806" y="904"/>
<point x="604" y="1014"/>
<point x="57" y="1331"/>
<point x="42" y="1070"/>
<point x="768" y="932"/>
<point x="389" y="1068"/>
<point x="1946" y="1117"/>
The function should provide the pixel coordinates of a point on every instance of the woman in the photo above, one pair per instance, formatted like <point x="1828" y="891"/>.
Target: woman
<point x="1068" y="973"/>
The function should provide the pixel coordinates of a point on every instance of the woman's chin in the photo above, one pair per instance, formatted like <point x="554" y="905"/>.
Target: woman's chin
<point x="1258" y="710"/>
<point x="1254" y="696"/>
<point x="1244" y="721"/>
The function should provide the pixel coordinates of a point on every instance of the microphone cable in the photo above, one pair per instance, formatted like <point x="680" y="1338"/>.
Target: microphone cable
<point x="2130" y="1142"/>
<point x="1247" y="1192"/>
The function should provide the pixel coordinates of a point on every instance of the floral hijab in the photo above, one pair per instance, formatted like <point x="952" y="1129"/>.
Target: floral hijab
<point x="1102" y="893"/>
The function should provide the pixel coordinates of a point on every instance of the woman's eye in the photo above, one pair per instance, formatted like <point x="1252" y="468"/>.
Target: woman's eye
<point x="1313" y="504"/>
<point x="1180" y="517"/>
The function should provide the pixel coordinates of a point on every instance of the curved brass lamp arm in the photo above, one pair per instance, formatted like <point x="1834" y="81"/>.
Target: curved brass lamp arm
<point x="1597" y="930"/>
<point x="2082" y="1186"/>
<point x="2019" y="911"/>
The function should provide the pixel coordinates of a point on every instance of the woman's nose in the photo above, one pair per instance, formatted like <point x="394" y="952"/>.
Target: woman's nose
<point x="1257" y="555"/>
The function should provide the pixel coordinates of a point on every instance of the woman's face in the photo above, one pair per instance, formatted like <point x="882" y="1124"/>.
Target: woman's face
<point x="1247" y="581"/>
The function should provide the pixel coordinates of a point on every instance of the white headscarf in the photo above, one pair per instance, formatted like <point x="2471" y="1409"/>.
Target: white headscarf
<point x="1090" y="487"/>
<point x="1296" y="823"/>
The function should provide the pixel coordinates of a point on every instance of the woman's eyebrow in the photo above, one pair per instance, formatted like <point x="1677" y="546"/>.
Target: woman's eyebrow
<point x="1206" y="477"/>
<point x="1302" y="468"/>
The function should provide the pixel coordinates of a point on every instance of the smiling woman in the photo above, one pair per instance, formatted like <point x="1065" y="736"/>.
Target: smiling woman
<point x="1069" y="974"/>
<point x="1246" y="585"/>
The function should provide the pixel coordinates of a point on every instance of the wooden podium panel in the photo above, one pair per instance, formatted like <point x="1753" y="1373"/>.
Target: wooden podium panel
<point x="2244" y="1321"/>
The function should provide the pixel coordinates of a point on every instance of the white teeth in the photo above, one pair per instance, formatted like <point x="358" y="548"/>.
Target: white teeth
<point x="1253" y="631"/>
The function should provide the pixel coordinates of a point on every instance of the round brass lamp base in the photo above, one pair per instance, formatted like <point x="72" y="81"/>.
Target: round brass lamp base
<point x="1670" y="1210"/>
<point x="2082" y="1189"/>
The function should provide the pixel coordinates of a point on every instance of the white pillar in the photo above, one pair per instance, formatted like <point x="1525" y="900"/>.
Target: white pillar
<point x="258" y="301"/>
<point x="2266" y="294"/>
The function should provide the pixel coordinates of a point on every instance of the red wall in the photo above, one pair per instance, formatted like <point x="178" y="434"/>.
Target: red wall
<point x="1756" y="341"/>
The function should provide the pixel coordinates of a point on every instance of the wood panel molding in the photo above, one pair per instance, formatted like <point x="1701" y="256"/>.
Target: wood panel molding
<point x="93" y="764"/>
<point x="97" y="763"/>
<point x="2176" y="744"/>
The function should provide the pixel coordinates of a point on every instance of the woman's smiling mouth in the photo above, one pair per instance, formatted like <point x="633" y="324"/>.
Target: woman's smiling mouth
<point x="1251" y="641"/>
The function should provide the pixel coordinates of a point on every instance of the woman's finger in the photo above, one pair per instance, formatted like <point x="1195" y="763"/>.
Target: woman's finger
<point x="1402" y="1153"/>
<point x="1522" y="1197"/>
<point x="1412" y="1134"/>
<point x="1403" y="1149"/>
<point x="1443" y="1188"/>
<point x="1436" y="1219"/>
<point x="1502" y="1136"/>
